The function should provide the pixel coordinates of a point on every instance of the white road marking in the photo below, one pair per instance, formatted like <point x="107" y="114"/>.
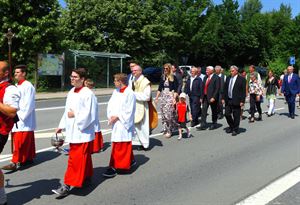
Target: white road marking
<point x="273" y="190"/>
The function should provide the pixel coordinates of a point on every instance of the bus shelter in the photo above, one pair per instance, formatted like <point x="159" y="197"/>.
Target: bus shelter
<point x="101" y="66"/>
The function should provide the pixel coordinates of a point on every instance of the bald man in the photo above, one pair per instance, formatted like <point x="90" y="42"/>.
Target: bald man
<point x="210" y="97"/>
<point x="290" y="88"/>
<point x="9" y="105"/>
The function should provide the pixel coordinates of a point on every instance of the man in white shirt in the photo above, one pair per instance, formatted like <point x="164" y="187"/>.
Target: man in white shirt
<point x="23" y="130"/>
<point x="120" y="114"/>
<point x="78" y="121"/>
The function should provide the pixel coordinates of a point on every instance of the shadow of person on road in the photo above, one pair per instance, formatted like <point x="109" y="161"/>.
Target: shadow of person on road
<point x="95" y="181"/>
<point x="154" y="143"/>
<point x="39" y="159"/>
<point x="140" y="161"/>
<point x="106" y="145"/>
<point x="98" y="179"/>
<point x="286" y="114"/>
<point x="31" y="190"/>
<point x="242" y="130"/>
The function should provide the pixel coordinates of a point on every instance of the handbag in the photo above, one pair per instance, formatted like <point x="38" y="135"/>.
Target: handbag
<point x="153" y="115"/>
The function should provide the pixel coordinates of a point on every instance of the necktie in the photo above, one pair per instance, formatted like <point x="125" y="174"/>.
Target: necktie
<point x="230" y="88"/>
<point x="206" y="85"/>
<point x="289" y="78"/>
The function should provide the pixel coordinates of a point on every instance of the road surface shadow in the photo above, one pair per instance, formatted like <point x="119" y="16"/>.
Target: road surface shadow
<point x="31" y="190"/>
<point x="106" y="145"/>
<point x="140" y="161"/>
<point x="88" y="188"/>
<point x="98" y="179"/>
<point x="40" y="158"/>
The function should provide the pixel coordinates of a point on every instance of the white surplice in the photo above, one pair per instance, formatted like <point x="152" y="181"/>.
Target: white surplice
<point x="80" y="128"/>
<point x="26" y="113"/>
<point x="122" y="105"/>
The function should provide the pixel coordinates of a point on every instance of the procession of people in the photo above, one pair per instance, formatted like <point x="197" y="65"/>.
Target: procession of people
<point x="129" y="113"/>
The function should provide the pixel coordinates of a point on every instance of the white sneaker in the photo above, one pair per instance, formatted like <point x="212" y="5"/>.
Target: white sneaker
<point x="179" y="137"/>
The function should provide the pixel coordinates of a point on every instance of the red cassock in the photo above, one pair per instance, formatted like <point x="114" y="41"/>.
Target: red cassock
<point x="97" y="143"/>
<point x="24" y="146"/>
<point x="121" y="155"/>
<point x="80" y="166"/>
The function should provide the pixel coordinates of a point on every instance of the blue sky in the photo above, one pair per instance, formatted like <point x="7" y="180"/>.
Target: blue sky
<point x="268" y="5"/>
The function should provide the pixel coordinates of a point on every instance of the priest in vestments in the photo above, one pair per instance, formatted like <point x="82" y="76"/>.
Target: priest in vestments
<point x="120" y="114"/>
<point x="78" y="121"/>
<point x="142" y="91"/>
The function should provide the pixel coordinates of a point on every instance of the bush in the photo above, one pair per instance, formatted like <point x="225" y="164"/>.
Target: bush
<point x="277" y="66"/>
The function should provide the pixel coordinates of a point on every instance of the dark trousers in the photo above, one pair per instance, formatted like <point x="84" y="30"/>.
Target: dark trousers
<point x="232" y="115"/>
<point x="3" y="140"/>
<point x="195" y="108"/>
<point x="291" y="100"/>
<point x="220" y="107"/>
<point x="254" y="105"/>
<point x="214" y="110"/>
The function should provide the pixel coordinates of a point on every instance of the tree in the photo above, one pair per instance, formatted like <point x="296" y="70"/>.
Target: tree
<point x="35" y="25"/>
<point x="249" y="9"/>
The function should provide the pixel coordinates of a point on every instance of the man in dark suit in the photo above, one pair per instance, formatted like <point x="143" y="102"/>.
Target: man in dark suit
<point x="234" y="97"/>
<point x="290" y="88"/>
<point x="218" y="70"/>
<point x="193" y="88"/>
<point x="210" y="97"/>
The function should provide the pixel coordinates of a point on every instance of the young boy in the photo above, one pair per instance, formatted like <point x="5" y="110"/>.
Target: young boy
<point x="182" y="110"/>
<point x="98" y="141"/>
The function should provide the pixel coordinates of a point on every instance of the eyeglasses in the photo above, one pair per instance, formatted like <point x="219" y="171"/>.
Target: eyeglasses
<point x="74" y="77"/>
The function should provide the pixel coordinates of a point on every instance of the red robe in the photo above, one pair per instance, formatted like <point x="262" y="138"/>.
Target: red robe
<point x="97" y="143"/>
<point x="121" y="155"/>
<point x="80" y="165"/>
<point x="24" y="146"/>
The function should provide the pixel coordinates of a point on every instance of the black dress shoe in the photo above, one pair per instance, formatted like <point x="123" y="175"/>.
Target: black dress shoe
<point x="234" y="133"/>
<point x="228" y="130"/>
<point x="202" y="127"/>
<point x="193" y="124"/>
<point x="293" y="116"/>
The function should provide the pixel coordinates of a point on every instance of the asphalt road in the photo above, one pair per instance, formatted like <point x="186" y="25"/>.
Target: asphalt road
<point x="211" y="168"/>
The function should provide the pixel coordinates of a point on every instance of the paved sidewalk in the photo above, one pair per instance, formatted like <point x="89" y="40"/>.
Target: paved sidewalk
<point x="63" y="94"/>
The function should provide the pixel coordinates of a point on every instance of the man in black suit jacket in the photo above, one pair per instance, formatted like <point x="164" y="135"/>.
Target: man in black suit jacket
<point x="234" y="98"/>
<point x="210" y="97"/>
<point x="218" y="71"/>
<point x="194" y="91"/>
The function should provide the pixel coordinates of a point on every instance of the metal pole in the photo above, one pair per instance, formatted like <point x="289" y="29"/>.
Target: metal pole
<point x="121" y="61"/>
<point x="107" y="80"/>
<point x="9" y="35"/>
<point x="75" y="61"/>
